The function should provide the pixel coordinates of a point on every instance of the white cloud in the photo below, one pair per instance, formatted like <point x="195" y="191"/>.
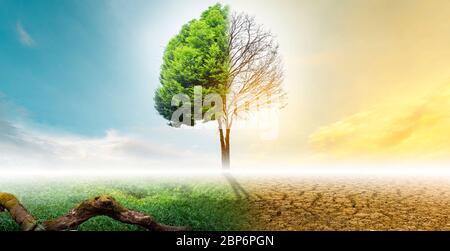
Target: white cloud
<point x="23" y="146"/>
<point x="24" y="37"/>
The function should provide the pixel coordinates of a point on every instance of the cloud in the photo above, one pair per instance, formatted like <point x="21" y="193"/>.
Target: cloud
<point x="24" y="37"/>
<point x="23" y="145"/>
<point x="413" y="128"/>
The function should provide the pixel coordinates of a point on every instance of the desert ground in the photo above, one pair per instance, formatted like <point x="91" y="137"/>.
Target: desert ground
<point x="383" y="203"/>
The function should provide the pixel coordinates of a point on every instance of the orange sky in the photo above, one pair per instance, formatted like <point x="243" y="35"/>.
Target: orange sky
<point x="364" y="78"/>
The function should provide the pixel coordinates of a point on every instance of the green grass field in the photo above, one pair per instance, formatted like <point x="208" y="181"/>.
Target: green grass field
<point x="199" y="204"/>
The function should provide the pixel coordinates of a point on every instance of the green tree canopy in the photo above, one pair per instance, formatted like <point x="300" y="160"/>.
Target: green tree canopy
<point x="197" y="56"/>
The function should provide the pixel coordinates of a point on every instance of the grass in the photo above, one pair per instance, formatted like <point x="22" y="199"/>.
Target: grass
<point x="201" y="205"/>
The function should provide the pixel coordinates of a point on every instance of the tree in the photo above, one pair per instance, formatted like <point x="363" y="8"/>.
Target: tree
<point x="227" y="65"/>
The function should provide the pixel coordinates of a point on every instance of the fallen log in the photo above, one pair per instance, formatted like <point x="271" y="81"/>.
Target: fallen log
<point x="99" y="206"/>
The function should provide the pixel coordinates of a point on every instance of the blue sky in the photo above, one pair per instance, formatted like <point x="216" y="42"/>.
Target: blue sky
<point x="85" y="66"/>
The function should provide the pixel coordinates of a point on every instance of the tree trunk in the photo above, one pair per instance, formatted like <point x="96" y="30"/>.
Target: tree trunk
<point x="225" y="147"/>
<point x="98" y="206"/>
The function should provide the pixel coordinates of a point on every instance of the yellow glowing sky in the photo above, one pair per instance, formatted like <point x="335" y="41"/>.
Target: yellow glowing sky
<point x="365" y="78"/>
<point x="412" y="128"/>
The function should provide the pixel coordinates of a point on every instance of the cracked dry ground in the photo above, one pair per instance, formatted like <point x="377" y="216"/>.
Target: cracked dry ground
<point x="349" y="204"/>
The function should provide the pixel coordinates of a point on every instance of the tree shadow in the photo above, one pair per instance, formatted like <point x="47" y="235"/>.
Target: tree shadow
<point x="238" y="190"/>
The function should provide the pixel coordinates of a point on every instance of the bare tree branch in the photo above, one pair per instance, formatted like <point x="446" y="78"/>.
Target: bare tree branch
<point x="255" y="68"/>
<point x="98" y="206"/>
<point x="18" y="212"/>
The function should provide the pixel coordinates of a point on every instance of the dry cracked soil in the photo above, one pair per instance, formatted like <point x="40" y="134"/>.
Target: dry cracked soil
<point x="348" y="203"/>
